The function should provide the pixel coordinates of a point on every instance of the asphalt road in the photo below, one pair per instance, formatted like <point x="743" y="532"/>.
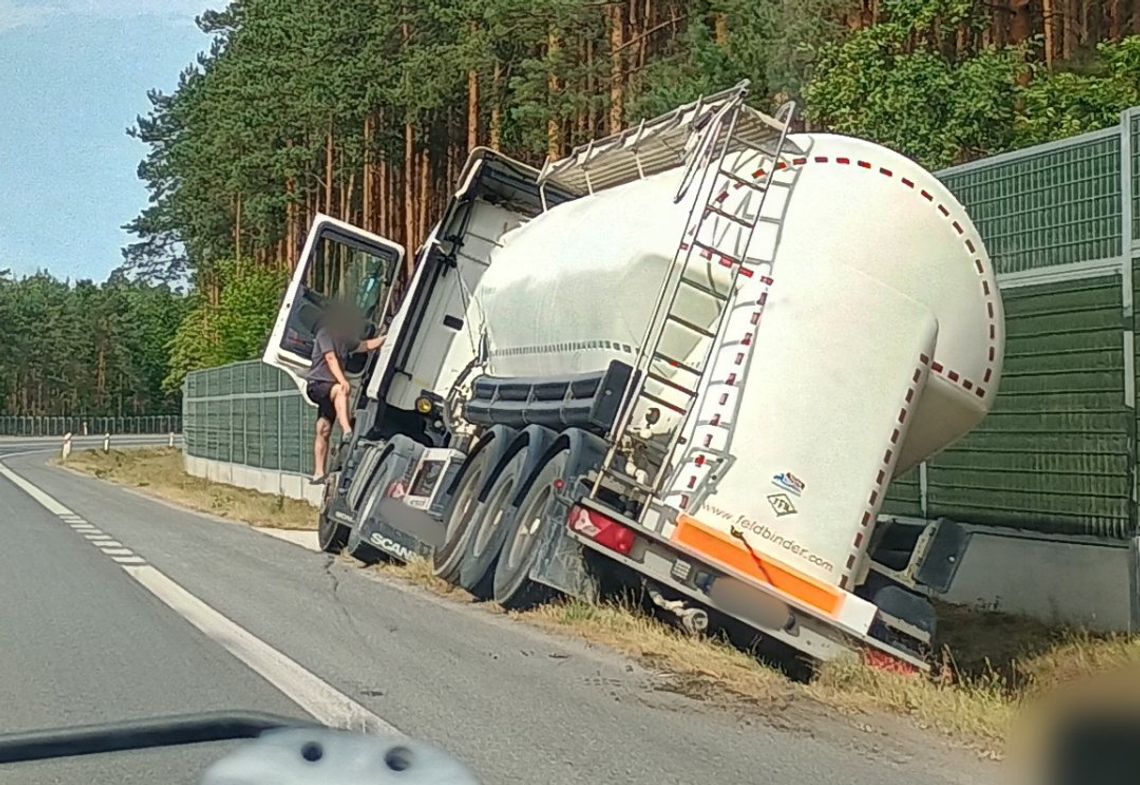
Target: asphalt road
<point x="84" y="640"/>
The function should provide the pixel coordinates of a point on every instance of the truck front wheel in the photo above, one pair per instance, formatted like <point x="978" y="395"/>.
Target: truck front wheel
<point x="331" y="536"/>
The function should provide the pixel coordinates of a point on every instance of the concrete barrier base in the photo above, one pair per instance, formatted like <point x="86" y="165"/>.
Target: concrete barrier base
<point x="271" y="481"/>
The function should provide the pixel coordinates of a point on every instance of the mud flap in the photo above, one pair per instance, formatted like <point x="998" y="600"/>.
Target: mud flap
<point x="561" y="562"/>
<point x="384" y="520"/>
<point x="944" y="555"/>
<point x="402" y="531"/>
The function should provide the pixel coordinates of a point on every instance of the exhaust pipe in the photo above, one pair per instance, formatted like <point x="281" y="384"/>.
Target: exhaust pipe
<point x="693" y="620"/>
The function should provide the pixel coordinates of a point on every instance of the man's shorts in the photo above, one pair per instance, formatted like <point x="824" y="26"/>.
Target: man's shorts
<point x="320" y="393"/>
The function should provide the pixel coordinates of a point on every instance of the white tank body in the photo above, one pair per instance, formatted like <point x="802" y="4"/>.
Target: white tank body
<point x="574" y="289"/>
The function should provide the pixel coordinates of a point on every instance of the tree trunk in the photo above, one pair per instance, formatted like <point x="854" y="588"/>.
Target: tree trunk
<point x="1047" y="10"/>
<point x="472" y="105"/>
<point x="329" y="169"/>
<point x="591" y="91"/>
<point x="617" y="35"/>
<point x="1020" y="21"/>
<point x="346" y="212"/>
<point x="409" y="186"/>
<point x="1071" y="19"/>
<point x="237" y="227"/>
<point x="720" y="25"/>
<point x="496" y="129"/>
<point x="424" y="196"/>
<point x="553" y="130"/>
<point x="366" y="184"/>
<point x="384" y="197"/>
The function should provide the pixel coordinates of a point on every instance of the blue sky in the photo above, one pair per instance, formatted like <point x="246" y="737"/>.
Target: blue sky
<point x="73" y="77"/>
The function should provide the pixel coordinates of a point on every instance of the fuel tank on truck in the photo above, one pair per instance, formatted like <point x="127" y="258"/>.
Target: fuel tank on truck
<point x="880" y="340"/>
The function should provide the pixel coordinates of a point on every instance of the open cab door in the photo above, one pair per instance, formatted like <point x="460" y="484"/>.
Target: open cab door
<point x="340" y="264"/>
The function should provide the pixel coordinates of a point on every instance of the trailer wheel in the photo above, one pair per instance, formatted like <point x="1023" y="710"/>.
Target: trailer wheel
<point x="512" y="586"/>
<point x="489" y="528"/>
<point x="464" y="506"/>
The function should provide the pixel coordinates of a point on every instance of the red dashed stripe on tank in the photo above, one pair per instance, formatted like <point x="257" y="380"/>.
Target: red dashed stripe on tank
<point x="886" y="469"/>
<point x="977" y="387"/>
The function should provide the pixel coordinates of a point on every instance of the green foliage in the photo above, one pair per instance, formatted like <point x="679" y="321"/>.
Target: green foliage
<point x="894" y="84"/>
<point x="85" y="348"/>
<point x="1061" y="104"/>
<point x="232" y="329"/>
<point x="906" y="83"/>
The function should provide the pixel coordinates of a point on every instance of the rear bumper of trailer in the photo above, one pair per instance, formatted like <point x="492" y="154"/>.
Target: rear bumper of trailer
<point x="747" y="601"/>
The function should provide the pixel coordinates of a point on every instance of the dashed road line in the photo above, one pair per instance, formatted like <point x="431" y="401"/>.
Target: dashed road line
<point x="326" y="703"/>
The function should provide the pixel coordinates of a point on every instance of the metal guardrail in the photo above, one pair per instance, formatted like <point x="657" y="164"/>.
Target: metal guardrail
<point x="78" y="425"/>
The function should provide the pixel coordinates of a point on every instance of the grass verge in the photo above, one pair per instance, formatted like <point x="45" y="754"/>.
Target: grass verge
<point x="159" y="472"/>
<point x="992" y="665"/>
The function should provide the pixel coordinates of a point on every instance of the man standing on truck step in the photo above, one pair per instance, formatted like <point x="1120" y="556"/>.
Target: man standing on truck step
<point x="337" y="338"/>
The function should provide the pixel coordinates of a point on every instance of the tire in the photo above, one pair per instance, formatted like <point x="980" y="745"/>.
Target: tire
<point x="357" y="548"/>
<point x="488" y="528"/>
<point x="464" y="506"/>
<point x="331" y="536"/>
<point x="512" y="587"/>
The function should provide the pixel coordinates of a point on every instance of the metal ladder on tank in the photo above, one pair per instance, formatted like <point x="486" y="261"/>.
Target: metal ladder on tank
<point x="707" y="206"/>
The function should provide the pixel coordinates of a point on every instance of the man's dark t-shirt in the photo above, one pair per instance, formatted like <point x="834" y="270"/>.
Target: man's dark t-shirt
<point x="325" y="342"/>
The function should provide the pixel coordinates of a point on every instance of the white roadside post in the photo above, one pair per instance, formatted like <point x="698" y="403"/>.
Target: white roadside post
<point x="66" y="446"/>
<point x="107" y="443"/>
<point x="170" y="442"/>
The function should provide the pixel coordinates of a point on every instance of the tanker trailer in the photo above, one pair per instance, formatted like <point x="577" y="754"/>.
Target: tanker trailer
<point x="694" y="372"/>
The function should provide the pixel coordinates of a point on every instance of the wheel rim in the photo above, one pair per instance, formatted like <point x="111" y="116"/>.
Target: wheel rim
<point x="529" y="524"/>
<point x="531" y="516"/>
<point x="466" y="506"/>
<point x="493" y="515"/>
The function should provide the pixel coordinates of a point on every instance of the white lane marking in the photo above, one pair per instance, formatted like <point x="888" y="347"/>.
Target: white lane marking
<point x="81" y="526"/>
<point x="303" y="687"/>
<point x="129" y="559"/>
<point x="305" y="538"/>
<point x="118" y="551"/>
<point x="107" y="543"/>
<point x="96" y="535"/>
<point x="323" y="701"/>
<point x="52" y="506"/>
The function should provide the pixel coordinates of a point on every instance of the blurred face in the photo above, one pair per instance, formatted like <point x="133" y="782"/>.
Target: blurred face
<point x="343" y="323"/>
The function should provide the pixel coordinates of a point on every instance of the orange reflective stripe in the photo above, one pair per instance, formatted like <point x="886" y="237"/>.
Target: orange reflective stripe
<point x="730" y="552"/>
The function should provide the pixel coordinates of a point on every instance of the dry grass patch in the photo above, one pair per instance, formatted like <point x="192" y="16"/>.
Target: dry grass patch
<point x="419" y="572"/>
<point x="702" y="667"/>
<point x="975" y="697"/>
<point x="158" y="472"/>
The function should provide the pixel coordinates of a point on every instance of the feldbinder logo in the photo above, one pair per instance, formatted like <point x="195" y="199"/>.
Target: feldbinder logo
<point x="772" y="538"/>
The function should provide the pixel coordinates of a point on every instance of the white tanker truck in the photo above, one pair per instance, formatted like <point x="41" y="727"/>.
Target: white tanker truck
<point x="689" y="358"/>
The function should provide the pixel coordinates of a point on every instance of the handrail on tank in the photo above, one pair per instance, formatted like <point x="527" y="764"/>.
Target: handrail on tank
<point x="570" y="171"/>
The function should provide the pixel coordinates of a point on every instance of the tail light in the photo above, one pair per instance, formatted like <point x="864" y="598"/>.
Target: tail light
<point x="602" y="530"/>
<point x="882" y="661"/>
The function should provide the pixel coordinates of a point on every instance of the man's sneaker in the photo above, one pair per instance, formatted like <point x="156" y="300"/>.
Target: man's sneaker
<point x="319" y="480"/>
